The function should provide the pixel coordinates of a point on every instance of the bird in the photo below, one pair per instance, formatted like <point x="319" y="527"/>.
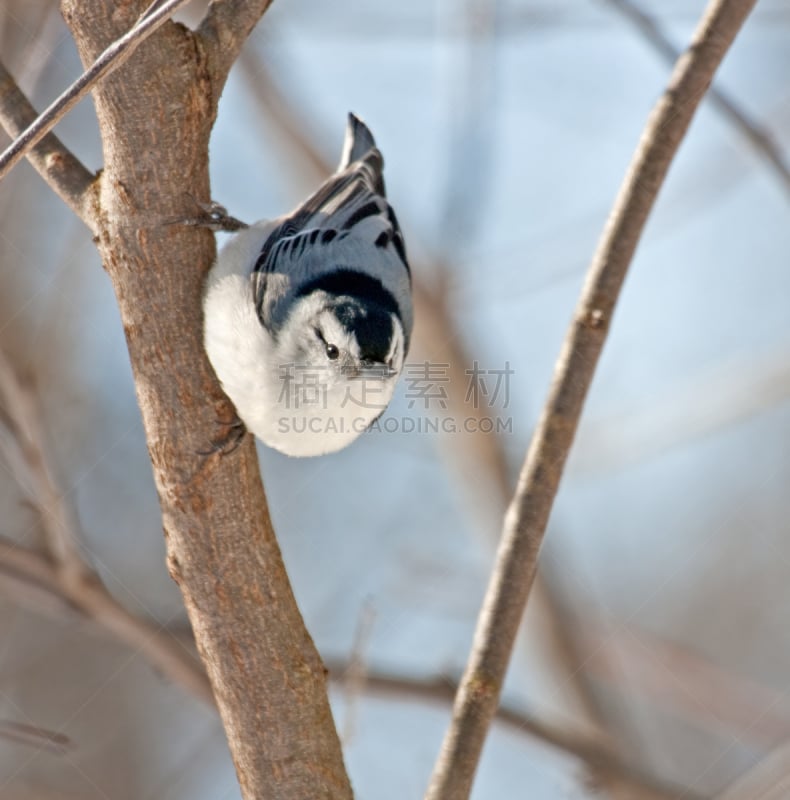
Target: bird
<point x="308" y="317"/>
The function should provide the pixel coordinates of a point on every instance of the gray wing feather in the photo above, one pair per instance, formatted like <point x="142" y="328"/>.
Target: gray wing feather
<point x="326" y="219"/>
<point x="358" y="141"/>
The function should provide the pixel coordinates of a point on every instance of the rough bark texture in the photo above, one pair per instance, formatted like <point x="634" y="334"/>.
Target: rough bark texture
<point x="155" y="115"/>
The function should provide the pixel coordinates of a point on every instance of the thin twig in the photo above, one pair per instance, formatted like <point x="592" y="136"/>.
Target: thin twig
<point x="718" y="398"/>
<point x="37" y="571"/>
<point x="92" y="600"/>
<point x="527" y="516"/>
<point x="35" y="736"/>
<point x="355" y="671"/>
<point x="23" y="446"/>
<point x="589" y="751"/>
<point x="760" y="138"/>
<point x="56" y="164"/>
<point x="109" y="60"/>
<point x="680" y="682"/>
<point x="64" y="575"/>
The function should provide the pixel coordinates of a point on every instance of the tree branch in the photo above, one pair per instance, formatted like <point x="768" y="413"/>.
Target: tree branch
<point x="54" y="162"/>
<point x="265" y="672"/>
<point x="601" y="761"/>
<point x="681" y="683"/>
<point x="112" y="58"/>
<point x="65" y="575"/>
<point x="23" y="447"/>
<point x="604" y="765"/>
<point x="760" y="138"/>
<point x="224" y="30"/>
<point x="35" y="736"/>
<point x="92" y="600"/>
<point x="527" y="516"/>
<point x="165" y="653"/>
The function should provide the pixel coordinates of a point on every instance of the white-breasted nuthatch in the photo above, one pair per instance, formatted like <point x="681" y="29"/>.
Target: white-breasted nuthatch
<point x="307" y="318"/>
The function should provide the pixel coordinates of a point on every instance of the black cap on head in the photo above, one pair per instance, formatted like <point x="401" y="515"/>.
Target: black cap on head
<point x="371" y="325"/>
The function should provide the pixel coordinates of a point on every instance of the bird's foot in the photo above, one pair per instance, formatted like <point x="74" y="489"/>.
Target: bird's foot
<point x="213" y="216"/>
<point x="232" y="433"/>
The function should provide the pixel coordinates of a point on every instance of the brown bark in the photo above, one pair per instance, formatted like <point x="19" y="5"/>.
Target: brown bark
<point x="155" y="114"/>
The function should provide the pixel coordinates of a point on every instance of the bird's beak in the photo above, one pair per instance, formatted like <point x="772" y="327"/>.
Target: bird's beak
<point x="369" y="370"/>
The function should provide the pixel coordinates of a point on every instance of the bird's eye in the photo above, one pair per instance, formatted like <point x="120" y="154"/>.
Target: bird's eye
<point x="332" y="351"/>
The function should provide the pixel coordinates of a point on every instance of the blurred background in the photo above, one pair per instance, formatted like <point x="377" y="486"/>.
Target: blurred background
<point x="655" y="655"/>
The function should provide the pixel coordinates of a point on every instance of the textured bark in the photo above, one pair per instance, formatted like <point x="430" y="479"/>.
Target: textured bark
<point x="155" y="114"/>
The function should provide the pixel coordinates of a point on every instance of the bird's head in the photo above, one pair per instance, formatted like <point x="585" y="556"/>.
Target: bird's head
<point x="339" y="355"/>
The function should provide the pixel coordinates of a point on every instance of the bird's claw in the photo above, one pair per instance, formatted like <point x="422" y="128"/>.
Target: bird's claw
<point x="213" y="216"/>
<point x="230" y="438"/>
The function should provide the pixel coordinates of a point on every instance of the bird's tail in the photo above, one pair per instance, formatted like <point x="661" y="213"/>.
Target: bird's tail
<point x="359" y="140"/>
<point x="359" y="145"/>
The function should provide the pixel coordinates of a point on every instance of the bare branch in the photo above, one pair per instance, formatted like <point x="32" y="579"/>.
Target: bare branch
<point x="112" y="58"/>
<point x="36" y="595"/>
<point x="164" y="652"/>
<point x="724" y="395"/>
<point x="760" y="138"/>
<point x="92" y="600"/>
<point x="602" y="762"/>
<point x="224" y="30"/>
<point x="34" y="736"/>
<point x="65" y="579"/>
<point x="527" y="516"/>
<point x="23" y="447"/>
<point x="54" y="162"/>
<point x="685" y="684"/>
<point x="482" y="461"/>
<point x="355" y="671"/>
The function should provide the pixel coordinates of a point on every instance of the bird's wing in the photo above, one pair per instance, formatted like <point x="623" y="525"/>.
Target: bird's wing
<point x="342" y="202"/>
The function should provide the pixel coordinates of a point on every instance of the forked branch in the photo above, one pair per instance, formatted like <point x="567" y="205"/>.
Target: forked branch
<point x="54" y="162"/>
<point x="109" y="60"/>
<point x="225" y="29"/>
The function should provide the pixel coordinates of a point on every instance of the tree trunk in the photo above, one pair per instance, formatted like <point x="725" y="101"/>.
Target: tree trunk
<point x="155" y="116"/>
